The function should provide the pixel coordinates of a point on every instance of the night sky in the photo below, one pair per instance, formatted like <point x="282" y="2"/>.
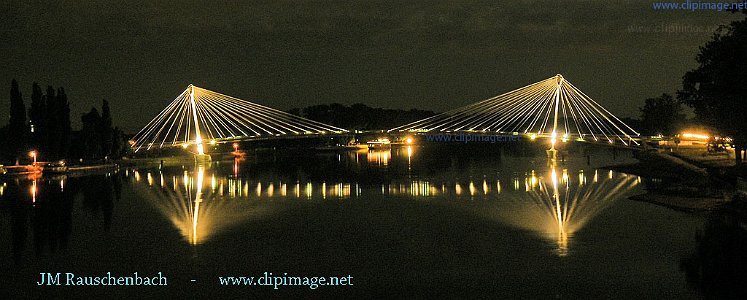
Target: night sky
<point x="434" y="55"/>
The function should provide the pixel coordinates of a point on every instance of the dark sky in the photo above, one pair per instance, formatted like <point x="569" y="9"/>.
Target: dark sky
<point x="434" y="55"/>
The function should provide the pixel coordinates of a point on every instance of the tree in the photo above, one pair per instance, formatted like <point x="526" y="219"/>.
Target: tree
<point x="118" y="143"/>
<point x="62" y="123"/>
<point x="717" y="88"/>
<point x="105" y="129"/>
<point x="717" y="265"/>
<point x="16" y="130"/>
<point x="360" y="116"/>
<point x="37" y="116"/>
<point x="52" y="132"/>
<point x="90" y="139"/>
<point x="661" y="115"/>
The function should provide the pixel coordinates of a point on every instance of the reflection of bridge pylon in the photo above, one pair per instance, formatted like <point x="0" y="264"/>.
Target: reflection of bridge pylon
<point x="556" y="205"/>
<point x="198" y="116"/>
<point x="195" y="204"/>
<point x="552" y="108"/>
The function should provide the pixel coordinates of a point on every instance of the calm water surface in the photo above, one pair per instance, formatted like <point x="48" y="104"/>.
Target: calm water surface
<point x="402" y="222"/>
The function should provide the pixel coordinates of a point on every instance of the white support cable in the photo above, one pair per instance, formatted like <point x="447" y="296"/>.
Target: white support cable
<point x="550" y="105"/>
<point x="198" y="115"/>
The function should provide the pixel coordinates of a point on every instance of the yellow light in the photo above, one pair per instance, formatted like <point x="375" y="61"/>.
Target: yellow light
<point x="533" y="136"/>
<point x="553" y="139"/>
<point x="408" y="140"/>
<point x="185" y="145"/>
<point x="695" y="136"/>
<point x="33" y="154"/>
<point x="33" y="191"/>
<point x="213" y="142"/>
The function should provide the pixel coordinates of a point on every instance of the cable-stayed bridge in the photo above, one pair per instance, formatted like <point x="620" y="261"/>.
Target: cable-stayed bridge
<point x="552" y="108"/>
<point x="199" y="116"/>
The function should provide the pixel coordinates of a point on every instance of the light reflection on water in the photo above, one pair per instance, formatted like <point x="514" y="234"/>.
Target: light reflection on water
<point x="197" y="203"/>
<point x="555" y="205"/>
<point x="501" y="217"/>
<point x="553" y="202"/>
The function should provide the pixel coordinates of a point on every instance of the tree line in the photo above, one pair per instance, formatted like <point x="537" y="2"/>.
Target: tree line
<point x="716" y="90"/>
<point x="360" y="116"/>
<point x="46" y="128"/>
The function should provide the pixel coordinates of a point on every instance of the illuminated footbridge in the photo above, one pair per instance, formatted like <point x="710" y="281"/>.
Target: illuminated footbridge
<point x="552" y="108"/>
<point x="199" y="116"/>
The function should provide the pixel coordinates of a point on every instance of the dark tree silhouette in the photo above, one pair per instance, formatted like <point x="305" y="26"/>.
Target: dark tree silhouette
<point x="90" y="139"/>
<point x="53" y="130"/>
<point x="16" y="129"/>
<point x="118" y="143"/>
<point x="105" y="129"/>
<point x="360" y="116"/>
<point x="37" y="117"/>
<point x="63" y="123"/>
<point x="717" y="265"/>
<point x="661" y="115"/>
<point x="717" y="88"/>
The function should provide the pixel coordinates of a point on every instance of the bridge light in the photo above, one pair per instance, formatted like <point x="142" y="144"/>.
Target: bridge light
<point x="553" y="139"/>
<point x="33" y="155"/>
<point x="213" y="142"/>
<point x="408" y="140"/>
<point x="532" y="136"/>
<point x="185" y="145"/>
<point x="695" y="136"/>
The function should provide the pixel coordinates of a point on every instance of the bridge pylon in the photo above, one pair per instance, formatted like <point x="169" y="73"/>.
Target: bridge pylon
<point x="552" y="108"/>
<point x="198" y="116"/>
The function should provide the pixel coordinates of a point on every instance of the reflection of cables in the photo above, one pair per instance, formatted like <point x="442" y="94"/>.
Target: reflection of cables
<point x="194" y="208"/>
<point x="551" y="106"/>
<point x="559" y="203"/>
<point x="198" y="114"/>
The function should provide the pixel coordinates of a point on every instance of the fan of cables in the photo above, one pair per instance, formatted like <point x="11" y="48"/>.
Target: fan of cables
<point x="198" y="115"/>
<point x="550" y="108"/>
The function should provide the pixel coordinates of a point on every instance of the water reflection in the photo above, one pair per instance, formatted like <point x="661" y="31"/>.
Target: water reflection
<point x="196" y="203"/>
<point x="716" y="265"/>
<point x="556" y="203"/>
<point x="42" y="208"/>
<point x="553" y="202"/>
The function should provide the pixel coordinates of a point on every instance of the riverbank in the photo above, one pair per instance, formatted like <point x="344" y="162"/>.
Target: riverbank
<point x="690" y="180"/>
<point x="682" y="203"/>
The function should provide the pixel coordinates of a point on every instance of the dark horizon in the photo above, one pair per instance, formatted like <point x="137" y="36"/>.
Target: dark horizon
<point x="399" y="55"/>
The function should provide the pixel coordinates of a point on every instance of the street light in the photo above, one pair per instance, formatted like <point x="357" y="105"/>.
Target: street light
<point x="235" y="146"/>
<point x="33" y="155"/>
